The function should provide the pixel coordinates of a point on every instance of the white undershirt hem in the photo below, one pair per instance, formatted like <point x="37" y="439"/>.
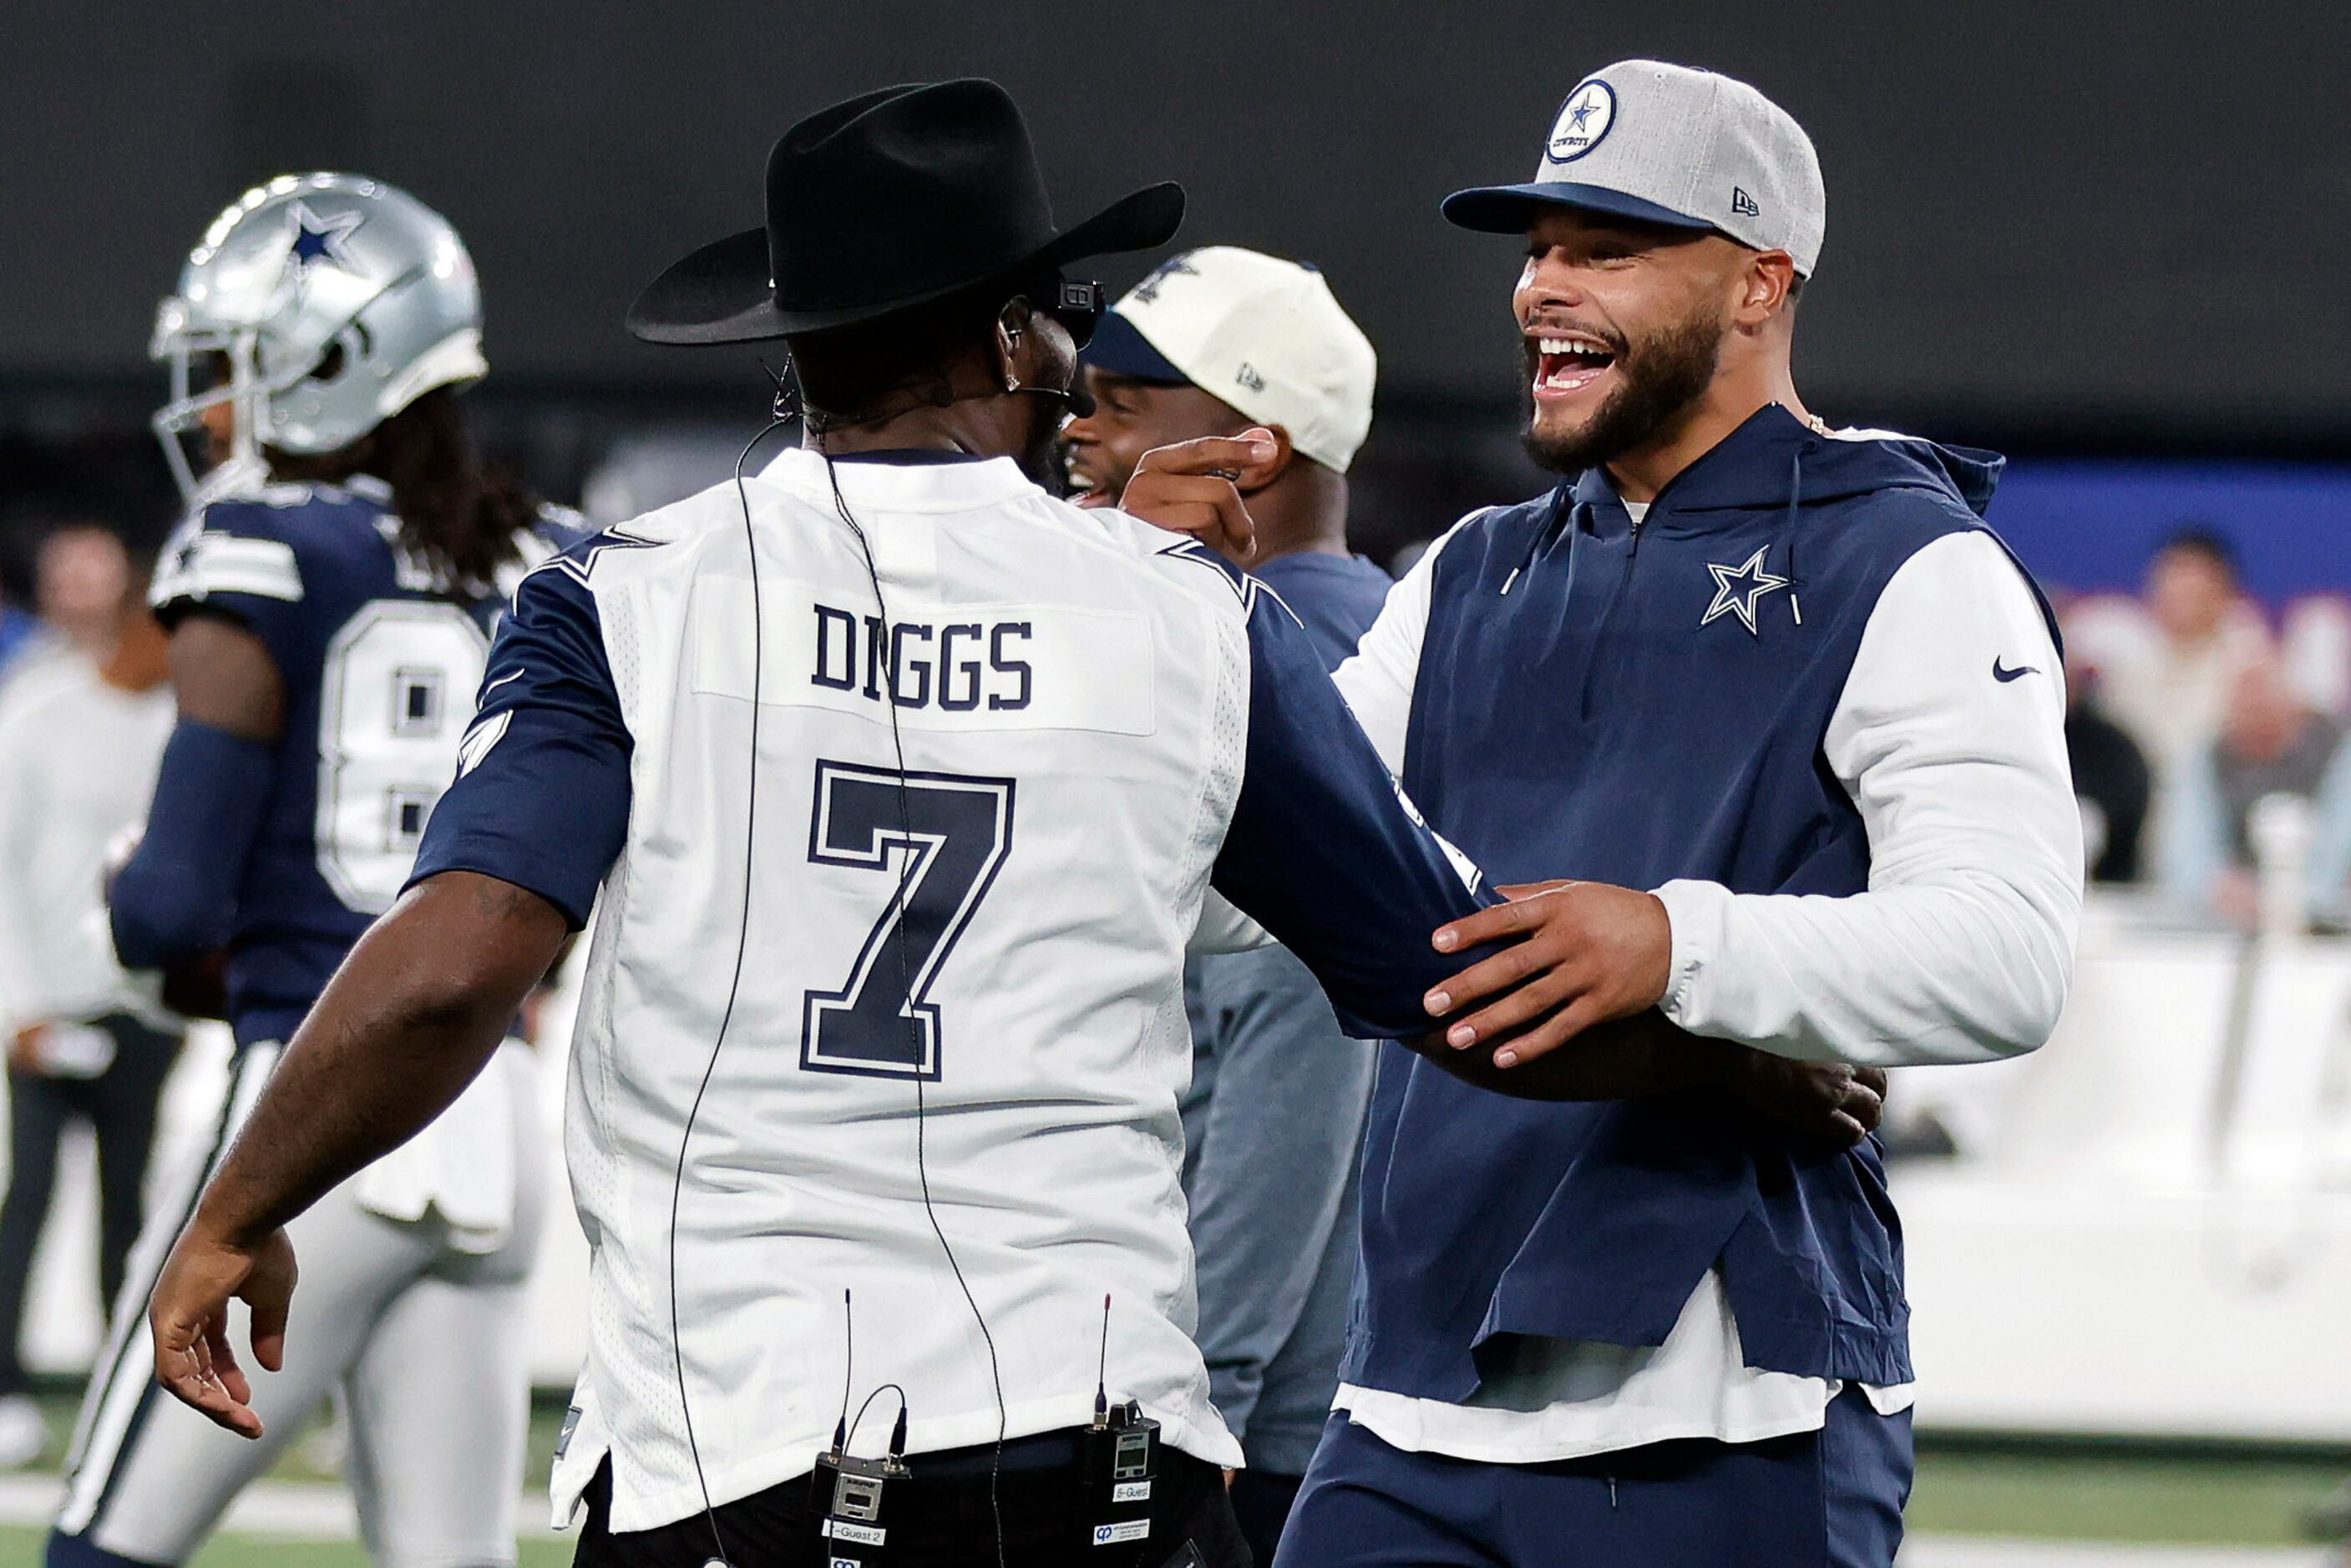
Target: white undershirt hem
<point x="1566" y="1399"/>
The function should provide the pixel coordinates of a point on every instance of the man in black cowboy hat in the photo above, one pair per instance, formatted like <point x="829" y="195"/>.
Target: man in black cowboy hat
<point x="904" y="785"/>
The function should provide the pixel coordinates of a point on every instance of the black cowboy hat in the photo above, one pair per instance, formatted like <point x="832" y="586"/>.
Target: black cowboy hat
<point x="890" y="200"/>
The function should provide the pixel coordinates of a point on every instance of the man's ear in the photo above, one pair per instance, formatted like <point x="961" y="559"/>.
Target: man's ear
<point x="1015" y="347"/>
<point x="1256" y="476"/>
<point x="1764" y="287"/>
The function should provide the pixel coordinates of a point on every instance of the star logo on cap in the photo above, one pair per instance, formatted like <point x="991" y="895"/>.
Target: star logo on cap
<point x="311" y="239"/>
<point x="1584" y="120"/>
<point x="1737" y="590"/>
<point x="1147" y="291"/>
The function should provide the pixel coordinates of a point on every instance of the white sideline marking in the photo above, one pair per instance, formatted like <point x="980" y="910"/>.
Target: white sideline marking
<point x="1992" y="1551"/>
<point x="291" y="1511"/>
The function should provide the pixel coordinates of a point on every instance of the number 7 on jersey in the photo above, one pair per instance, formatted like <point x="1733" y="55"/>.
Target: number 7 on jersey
<point x="936" y="841"/>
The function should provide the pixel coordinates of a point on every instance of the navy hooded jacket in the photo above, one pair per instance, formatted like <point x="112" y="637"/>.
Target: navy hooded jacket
<point x="1591" y="701"/>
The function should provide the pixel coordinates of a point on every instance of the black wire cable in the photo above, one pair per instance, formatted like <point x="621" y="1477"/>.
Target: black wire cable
<point x="885" y="1388"/>
<point x="734" y="987"/>
<point x="906" y="986"/>
<point x="784" y="415"/>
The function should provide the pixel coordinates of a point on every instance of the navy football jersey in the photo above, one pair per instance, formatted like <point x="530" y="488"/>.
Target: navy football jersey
<point x="380" y="663"/>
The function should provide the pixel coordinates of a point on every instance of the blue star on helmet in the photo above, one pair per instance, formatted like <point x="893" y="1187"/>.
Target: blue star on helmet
<point x="311" y="238"/>
<point x="1737" y="590"/>
<point x="1580" y="112"/>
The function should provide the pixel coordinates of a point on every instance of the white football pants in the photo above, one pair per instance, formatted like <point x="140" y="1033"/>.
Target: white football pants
<point x="426" y="1340"/>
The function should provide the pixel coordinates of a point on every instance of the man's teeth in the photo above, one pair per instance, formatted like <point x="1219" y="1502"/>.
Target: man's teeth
<point x="1572" y="361"/>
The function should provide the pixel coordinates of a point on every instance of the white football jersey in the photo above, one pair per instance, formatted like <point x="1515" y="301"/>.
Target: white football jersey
<point x="1078" y="701"/>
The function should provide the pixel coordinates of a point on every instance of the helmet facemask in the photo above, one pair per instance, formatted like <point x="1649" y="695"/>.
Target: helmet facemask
<point x="210" y="368"/>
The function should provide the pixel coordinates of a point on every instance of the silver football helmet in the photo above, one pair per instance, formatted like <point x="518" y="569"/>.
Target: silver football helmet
<point x="331" y="302"/>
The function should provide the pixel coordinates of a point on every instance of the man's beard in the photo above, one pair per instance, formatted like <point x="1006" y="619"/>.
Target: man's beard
<point x="1670" y="369"/>
<point x="1040" y="459"/>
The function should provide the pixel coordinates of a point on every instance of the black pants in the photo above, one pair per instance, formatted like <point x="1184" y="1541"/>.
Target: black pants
<point x="120" y="1107"/>
<point x="1261" y="1501"/>
<point x="944" y="1520"/>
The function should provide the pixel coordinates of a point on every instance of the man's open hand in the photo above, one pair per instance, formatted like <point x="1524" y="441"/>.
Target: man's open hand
<point x="1582" y="953"/>
<point x="1187" y="488"/>
<point x="1589" y="955"/>
<point x="189" y="1314"/>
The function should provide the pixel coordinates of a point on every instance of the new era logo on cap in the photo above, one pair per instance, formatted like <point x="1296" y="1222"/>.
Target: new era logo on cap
<point x="1666" y="144"/>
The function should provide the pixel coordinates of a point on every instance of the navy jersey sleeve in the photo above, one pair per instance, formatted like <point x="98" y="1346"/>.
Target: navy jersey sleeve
<point x="541" y="798"/>
<point x="238" y="558"/>
<point x="1327" y="854"/>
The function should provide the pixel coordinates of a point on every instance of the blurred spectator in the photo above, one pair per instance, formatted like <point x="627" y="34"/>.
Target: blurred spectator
<point x="19" y="634"/>
<point x="81" y="733"/>
<point x="2110" y="780"/>
<point x="2315" y="641"/>
<point x="84" y="584"/>
<point x="2172" y="696"/>
<point x="2270" y="744"/>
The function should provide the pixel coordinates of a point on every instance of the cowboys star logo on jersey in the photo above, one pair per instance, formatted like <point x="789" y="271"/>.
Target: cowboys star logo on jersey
<point x="1738" y="589"/>
<point x="583" y="565"/>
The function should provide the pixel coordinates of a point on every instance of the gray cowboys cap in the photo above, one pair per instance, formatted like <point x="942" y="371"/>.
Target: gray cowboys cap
<point x="1641" y="139"/>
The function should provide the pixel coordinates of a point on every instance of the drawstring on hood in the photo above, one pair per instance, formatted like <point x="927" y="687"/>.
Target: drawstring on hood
<point x="1796" y="490"/>
<point x="1562" y="510"/>
<point x="1771" y="463"/>
<point x="1740" y="473"/>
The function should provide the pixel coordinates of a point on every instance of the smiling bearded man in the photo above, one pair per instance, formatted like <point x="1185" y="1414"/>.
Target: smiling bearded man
<point x="1777" y="691"/>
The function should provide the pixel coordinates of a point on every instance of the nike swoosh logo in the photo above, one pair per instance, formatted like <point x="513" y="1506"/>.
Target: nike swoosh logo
<point x="2002" y="674"/>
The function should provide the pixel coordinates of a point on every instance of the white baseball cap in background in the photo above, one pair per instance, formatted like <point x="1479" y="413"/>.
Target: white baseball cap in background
<point x="1262" y="334"/>
<point x="1641" y="139"/>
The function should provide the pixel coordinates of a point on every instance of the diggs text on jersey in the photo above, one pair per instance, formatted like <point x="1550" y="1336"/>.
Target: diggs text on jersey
<point x="957" y="665"/>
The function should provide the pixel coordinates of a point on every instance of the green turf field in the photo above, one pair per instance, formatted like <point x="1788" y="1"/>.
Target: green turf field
<point x="2067" y="1492"/>
<point x="2091" y="1494"/>
<point x="22" y="1549"/>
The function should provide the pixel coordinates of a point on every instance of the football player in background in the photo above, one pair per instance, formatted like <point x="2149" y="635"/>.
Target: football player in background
<point x="329" y="602"/>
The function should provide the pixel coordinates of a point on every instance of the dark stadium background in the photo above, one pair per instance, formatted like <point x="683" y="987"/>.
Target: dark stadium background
<point x="2053" y="228"/>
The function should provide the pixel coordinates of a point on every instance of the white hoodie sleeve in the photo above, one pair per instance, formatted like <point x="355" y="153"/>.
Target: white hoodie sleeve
<point x="1377" y="681"/>
<point x="1962" y="948"/>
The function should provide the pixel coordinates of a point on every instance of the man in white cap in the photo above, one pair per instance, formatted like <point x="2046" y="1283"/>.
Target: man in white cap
<point x="1797" y="715"/>
<point x="1217" y="340"/>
